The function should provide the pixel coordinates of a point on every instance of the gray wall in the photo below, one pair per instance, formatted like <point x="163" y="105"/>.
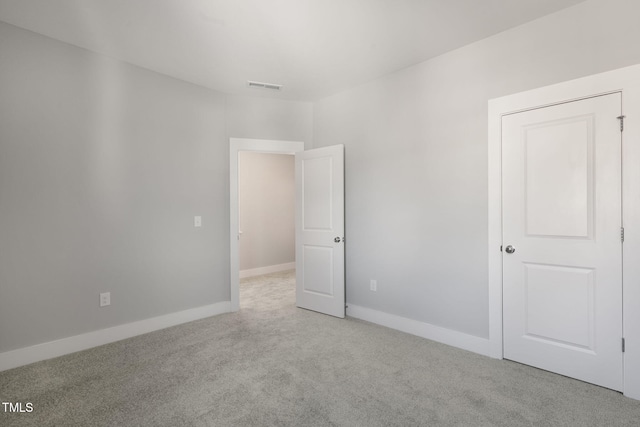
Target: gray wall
<point x="266" y="196"/>
<point x="263" y="118"/>
<point x="102" y="167"/>
<point x="416" y="158"/>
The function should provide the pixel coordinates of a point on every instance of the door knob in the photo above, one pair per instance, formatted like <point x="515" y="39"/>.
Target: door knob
<point x="509" y="249"/>
<point x="337" y="240"/>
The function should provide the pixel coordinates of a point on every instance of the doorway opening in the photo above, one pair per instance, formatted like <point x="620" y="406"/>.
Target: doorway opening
<point x="254" y="260"/>
<point x="266" y="244"/>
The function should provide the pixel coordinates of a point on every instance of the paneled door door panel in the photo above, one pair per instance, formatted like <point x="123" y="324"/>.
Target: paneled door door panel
<point x="320" y="230"/>
<point x="562" y="278"/>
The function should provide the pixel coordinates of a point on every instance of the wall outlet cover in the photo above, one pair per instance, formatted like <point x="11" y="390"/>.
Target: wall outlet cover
<point x="105" y="299"/>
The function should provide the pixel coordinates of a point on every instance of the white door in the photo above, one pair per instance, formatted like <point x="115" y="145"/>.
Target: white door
<point x="320" y="230"/>
<point x="562" y="295"/>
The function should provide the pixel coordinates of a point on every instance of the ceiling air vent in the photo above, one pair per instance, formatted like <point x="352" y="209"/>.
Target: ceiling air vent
<point x="261" y="85"/>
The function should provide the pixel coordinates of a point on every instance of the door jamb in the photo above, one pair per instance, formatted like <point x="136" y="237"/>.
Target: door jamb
<point x="626" y="81"/>
<point x="235" y="146"/>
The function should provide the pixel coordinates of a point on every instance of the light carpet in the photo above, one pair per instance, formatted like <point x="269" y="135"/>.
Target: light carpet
<point x="274" y="364"/>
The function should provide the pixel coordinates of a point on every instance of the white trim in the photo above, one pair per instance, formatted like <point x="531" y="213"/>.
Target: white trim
<point x="48" y="350"/>
<point x="251" y="272"/>
<point x="626" y="81"/>
<point x="424" y="330"/>
<point x="235" y="146"/>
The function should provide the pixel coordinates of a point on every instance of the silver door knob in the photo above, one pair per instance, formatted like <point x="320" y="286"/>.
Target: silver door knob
<point x="337" y="240"/>
<point x="509" y="249"/>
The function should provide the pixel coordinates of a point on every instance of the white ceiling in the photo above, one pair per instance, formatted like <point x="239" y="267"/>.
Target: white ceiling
<point x="313" y="47"/>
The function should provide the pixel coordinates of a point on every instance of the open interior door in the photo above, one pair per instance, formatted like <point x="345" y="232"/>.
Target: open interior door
<point x="320" y="230"/>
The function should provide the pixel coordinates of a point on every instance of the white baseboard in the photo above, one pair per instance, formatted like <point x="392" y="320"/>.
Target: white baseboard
<point x="48" y="350"/>
<point x="266" y="270"/>
<point x="424" y="330"/>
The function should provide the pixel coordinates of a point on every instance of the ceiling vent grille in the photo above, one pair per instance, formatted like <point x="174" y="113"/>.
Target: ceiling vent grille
<point x="261" y="85"/>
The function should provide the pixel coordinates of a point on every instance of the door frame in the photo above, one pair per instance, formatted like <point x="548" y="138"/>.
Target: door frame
<point x="235" y="146"/>
<point x="625" y="81"/>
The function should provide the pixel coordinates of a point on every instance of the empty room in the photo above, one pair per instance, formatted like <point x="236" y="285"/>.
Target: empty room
<point x="319" y="212"/>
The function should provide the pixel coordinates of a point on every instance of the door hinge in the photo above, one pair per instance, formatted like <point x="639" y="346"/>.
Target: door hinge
<point x="622" y="234"/>
<point x="621" y="118"/>
<point x="623" y="345"/>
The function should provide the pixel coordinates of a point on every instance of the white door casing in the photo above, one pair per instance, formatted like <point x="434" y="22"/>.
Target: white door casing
<point x="626" y="82"/>
<point x="235" y="146"/>
<point x="320" y="243"/>
<point x="562" y="287"/>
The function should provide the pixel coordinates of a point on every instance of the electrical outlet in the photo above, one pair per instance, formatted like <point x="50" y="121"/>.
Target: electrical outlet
<point x="373" y="285"/>
<point x="105" y="299"/>
<point x="197" y="221"/>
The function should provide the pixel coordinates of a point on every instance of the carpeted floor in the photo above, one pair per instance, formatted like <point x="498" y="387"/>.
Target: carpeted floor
<point x="273" y="364"/>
